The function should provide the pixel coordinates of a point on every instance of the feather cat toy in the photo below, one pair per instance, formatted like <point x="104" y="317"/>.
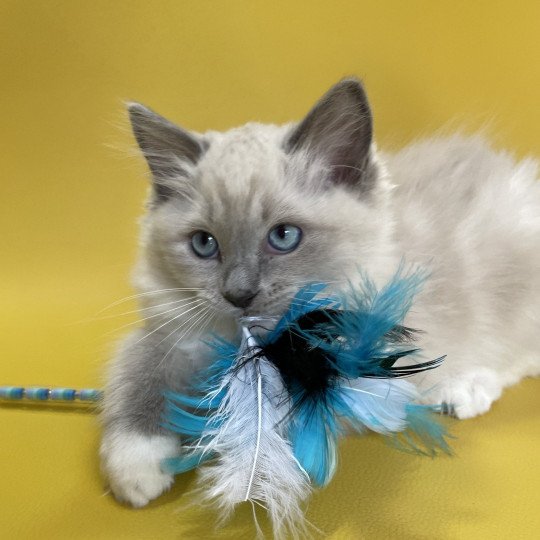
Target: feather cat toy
<point x="265" y="418"/>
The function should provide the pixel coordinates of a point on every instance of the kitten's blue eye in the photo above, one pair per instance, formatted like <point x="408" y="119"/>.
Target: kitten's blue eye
<point x="285" y="238"/>
<point x="204" y="244"/>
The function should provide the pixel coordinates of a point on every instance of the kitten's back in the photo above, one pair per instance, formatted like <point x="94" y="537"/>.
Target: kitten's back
<point x="473" y="215"/>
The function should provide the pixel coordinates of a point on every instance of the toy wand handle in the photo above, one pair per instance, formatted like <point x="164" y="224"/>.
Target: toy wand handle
<point x="42" y="393"/>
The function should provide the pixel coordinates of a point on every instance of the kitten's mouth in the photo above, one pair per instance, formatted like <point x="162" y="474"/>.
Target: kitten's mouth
<point x="272" y="314"/>
<point x="250" y="319"/>
<point x="259" y="324"/>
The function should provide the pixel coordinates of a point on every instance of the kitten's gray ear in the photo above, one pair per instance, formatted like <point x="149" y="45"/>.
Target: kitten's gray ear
<point x="168" y="149"/>
<point x="339" y="130"/>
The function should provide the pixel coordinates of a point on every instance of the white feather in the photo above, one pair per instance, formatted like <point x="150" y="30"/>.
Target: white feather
<point x="254" y="461"/>
<point x="380" y="404"/>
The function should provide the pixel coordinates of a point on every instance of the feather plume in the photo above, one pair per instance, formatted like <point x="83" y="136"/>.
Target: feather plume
<point x="272" y="411"/>
<point x="365" y="338"/>
<point x="339" y="367"/>
<point x="244" y="436"/>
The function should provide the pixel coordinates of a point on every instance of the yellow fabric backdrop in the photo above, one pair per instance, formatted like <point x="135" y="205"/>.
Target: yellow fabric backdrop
<point x="69" y="203"/>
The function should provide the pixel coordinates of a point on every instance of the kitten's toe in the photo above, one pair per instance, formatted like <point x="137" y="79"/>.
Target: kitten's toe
<point x="466" y="395"/>
<point x="132" y="464"/>
<point x="140" y="488"/>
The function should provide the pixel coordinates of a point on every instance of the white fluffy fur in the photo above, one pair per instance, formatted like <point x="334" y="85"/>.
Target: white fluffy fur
<point x="132" y="465"/>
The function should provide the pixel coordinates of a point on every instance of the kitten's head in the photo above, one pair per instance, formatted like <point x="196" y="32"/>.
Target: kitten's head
<point x="248" y="216"/>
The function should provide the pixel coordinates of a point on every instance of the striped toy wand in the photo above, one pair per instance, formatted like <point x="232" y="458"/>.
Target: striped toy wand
<point x="41" y="394"/>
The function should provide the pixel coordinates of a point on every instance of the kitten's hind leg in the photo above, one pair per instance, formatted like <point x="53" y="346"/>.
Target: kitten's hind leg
<point x="463" y="394"/>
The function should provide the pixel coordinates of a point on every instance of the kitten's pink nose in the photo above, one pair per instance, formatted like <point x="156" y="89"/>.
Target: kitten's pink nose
<point x="241" y="299"/>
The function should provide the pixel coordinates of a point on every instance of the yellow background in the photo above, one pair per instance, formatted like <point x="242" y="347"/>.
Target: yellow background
<point x="70" y="196"/>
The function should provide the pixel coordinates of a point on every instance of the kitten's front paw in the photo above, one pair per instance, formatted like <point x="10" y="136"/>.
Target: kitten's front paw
<point x="132" y="462"/>
<point x="467" y="394"/>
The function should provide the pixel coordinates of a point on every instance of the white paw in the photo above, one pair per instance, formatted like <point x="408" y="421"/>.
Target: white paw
<point x="467" y="394"/>
<point x="132" y="462"/>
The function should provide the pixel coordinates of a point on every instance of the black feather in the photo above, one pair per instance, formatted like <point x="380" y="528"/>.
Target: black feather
<point x="309" y="371"/>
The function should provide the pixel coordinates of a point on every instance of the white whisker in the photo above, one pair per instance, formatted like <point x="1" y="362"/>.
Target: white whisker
<point x="194" y="323"/>
<point x="198" y="317"/>
<point x="186" y="322"/>
<point x="154" y="316"/>
<point x="179" y="327"/>
<point x="211" y="320"/>
<point x="169" y="321"/>
<point x="133" y="296"/>
<point x="142" y="309"/>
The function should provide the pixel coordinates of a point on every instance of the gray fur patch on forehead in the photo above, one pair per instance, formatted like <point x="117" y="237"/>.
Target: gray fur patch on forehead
<point x="247" y="148"/>
<point x="241" y="165"/>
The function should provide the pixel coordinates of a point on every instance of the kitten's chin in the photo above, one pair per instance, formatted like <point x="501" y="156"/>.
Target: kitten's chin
<point x="225" y="324"/>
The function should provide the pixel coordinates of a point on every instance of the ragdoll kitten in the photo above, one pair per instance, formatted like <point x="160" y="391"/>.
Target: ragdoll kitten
<point x="238" y="221"/>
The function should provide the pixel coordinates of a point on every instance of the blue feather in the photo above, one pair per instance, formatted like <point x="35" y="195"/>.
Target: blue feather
<point x="194" y="402"/>
<point x="313" y="434"/>
<point x="183" y="422"/>
<point x="425" y="434"/>
<point x="378" y="405"/>
<point x="367" y="317"/>
<point x="225" y="353"/>
<point x="184" y="463"/>
<point x="209" y="397"/>
<point x="303" y="302"/>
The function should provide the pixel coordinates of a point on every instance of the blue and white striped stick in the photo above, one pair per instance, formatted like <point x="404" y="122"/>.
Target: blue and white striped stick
<point x="43" y="393"/>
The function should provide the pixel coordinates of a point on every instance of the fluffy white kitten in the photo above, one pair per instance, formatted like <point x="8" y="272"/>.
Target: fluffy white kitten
<point x="238" y="221"/>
